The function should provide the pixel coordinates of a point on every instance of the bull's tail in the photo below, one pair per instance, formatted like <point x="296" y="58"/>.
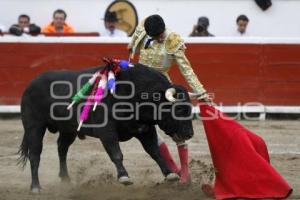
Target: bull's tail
<point x="23" y="152"/>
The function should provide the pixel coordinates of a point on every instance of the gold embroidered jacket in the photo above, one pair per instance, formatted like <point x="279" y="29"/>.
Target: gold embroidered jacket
<point x="161" y="55"/>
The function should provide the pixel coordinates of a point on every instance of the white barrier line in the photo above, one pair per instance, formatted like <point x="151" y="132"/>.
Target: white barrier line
<point x="226" y="109"/>
<point x="255" y="109"/>
<point x="10" y="109"/>
<point x="188" y="40"/>
<point x="288" y="109"/>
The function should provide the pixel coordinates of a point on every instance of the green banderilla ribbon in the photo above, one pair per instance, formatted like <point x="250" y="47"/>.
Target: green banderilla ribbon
<point x="82" y="92"/>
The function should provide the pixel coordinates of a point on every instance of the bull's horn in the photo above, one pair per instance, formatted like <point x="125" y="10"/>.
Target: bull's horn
<point x="169" y="94"/>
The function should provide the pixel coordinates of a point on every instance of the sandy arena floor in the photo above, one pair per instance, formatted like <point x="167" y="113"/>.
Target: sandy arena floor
<point x="94" y="176"/>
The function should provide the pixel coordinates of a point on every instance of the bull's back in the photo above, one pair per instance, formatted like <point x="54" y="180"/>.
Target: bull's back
<point x="52" y="83"/>
<point x="54" y="87"/>
<point x="46" y="89"/>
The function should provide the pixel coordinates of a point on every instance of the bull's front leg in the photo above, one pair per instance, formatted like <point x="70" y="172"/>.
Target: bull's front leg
<point x="111" y="144"/>
<point x="150" y="144"/>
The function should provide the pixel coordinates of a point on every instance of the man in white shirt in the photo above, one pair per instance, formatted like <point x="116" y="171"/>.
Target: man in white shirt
<point x="111" y="22"/>
<point x="242" y="22"/>
<point x="2" y="28"/>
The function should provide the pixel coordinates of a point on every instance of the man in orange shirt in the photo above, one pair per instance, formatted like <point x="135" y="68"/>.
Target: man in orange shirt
<point x="58" y="25"/>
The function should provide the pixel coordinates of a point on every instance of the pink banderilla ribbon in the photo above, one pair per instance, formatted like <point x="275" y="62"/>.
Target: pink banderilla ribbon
<point x="100" y="90"/>
<point x="87" y="107"/>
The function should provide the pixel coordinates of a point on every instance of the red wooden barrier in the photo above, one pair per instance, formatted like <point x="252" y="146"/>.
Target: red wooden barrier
<point x="235" y="73"/>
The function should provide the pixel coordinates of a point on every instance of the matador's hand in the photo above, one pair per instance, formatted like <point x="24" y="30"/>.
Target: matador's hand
<point x="204" y="97"/>
<point x="130" y="53"/>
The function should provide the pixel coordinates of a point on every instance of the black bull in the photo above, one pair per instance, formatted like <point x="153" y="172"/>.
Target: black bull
<point x="132" y="112"/>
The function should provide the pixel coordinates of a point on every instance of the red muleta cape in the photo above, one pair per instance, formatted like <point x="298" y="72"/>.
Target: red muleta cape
<point x="241" y="160"/>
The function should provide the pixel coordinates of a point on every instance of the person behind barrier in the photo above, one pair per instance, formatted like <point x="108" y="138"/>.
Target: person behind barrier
<point x="242" y="22"/>
<point x="59" y="24"/>
<point x="2" y="29"/>
<point x="111" y="21"/>
<point x="201" y="28"/>
<point x="24" y="27"/>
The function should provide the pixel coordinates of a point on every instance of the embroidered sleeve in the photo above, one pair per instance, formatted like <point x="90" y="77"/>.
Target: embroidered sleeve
<point x="137" y="37"/>
<point x="173" y="43"/>
<point x="187" y="71"/>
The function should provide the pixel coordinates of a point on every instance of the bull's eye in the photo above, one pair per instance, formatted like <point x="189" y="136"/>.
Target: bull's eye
<point x="181" y="96"/>
<point x="182" y="111"/>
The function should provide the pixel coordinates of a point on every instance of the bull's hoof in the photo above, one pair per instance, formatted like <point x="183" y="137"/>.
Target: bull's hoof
<point x="125" y="180"/>
<point x="172" y="177"/>
<point x="35" y="190"/>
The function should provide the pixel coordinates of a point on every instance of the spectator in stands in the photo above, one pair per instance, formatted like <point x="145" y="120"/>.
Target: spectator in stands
<point x="58" y="25"/>
<point x="111" y="22"/>
<point x="200" y="29"/>
<point x="24" y="27"/>
<point x="242" y="22"/>
<point x="2" y="29"/>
